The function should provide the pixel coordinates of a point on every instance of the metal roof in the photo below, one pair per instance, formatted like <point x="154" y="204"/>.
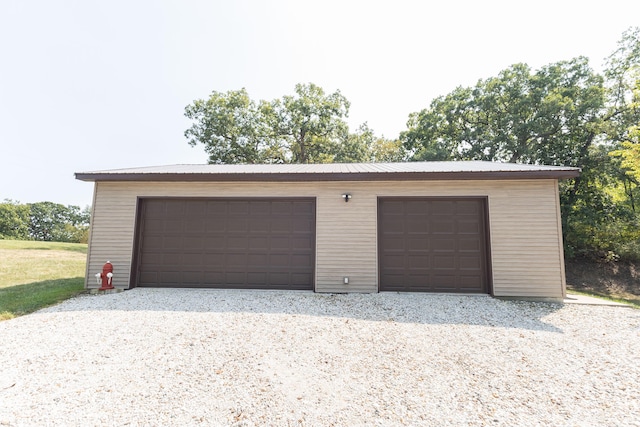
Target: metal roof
<point x="334" y="172"/>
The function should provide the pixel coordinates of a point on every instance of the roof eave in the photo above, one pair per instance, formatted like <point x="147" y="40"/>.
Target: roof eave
<point x="363" y="176"/>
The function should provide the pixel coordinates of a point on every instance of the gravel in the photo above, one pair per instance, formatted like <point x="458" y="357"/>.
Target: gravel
<point x="245" y="358"/>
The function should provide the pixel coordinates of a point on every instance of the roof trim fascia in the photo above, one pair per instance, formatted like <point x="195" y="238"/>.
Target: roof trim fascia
<point x="311" y="176"/>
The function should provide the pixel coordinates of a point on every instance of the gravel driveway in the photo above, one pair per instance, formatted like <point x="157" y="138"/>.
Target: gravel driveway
<point x="216" y="357"/>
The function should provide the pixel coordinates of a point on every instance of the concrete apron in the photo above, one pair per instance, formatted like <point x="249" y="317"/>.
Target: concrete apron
<point x="587" y="300"/>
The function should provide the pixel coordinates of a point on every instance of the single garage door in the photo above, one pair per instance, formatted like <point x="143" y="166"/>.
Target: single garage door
<point x="226" y="243"/>
<point x="433" y="245"/>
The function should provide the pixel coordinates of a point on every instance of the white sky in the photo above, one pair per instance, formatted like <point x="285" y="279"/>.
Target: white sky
<point x="88" y="85"/>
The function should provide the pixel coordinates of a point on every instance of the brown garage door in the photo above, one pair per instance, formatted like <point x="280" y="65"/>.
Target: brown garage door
<point x="433" y="245"/>
<point x="226" y="243"/>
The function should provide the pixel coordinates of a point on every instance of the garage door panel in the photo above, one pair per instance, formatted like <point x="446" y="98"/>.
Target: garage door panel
<point x="469" y="227"/>
<point x="172" y="242"/>
<point x="257" y="278"/>
<point x="444" y="281"/>
<point x="191" y="277"/>
<point x="418" y="262"/>
<point x="299" y="279"/>
<point x="279" y="279"/>
<point x="417" y="208"/>
<point x="413" y="244"/>
<point x="470" y="282"/>
<point x="389" y="210"/>
<point x="443" y="226"/>
<point x="257" y="260"/>
<point x="395" y="261"/>
<point x="259" y="243"/>
<point x="471" y="208"/>
<point x="470" y="263"/>
<point x="280" y="242"/>
<point x="444" y="262"/>
<point x="152" y="258"/>
<point x="239" y="242"/>
<point x="214" y="259"/>
<point x="443" y="207"/>
<point x="154" y="225"/>
<point x="216" y="224"/>
<point x="417" y="225"/>
<point x="301" y="261"/>
<point x="281" y="225"/>
<point x="417" y="280"/>
<point x="214" y="241"/>
<point x="197" y="208"/>
<point x="469" y="245"/>
<point x="441" y="245"/>
<point x="149" y="276"/>
<point x="393" y="226"/>
<point x="432" y="244"/>
<point x="154" y="210"/>
<point x="259" y="227"/>
<point x="227" y="243"/>
<point x="281" y="208"/>
<point x="191" y="243"/>
<point x="198" y="225"/>
<point x="211" y="278"/>
<point x="191" y="259"/>
<point x="301" y="243"/>
<point x="302" y="225"/>
<point x="237" y="207"/>
<point x="395" y="243"/>
<point x="303" y="208"/>
<point x="238" y="224"/>
<point x="215" y="209"/>
<point x="260" y="208"/>
<point x="235" y="278"/>
<point x="175" y="225"/>
<point x="169" y="277"/>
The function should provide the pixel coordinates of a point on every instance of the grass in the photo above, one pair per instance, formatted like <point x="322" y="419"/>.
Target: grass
<point x="34" y="275"/>
<point x="633" y="301"/>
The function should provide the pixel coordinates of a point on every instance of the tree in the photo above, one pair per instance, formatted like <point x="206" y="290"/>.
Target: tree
<point x="623" y="72"/>
<point x="55" y="222"/>
<point x="307" y="127"/>
<point x="14" y="220"/>
<point x="230" y="126"/>
<point x="561" y="114"/>
<point x="550" y="116"/>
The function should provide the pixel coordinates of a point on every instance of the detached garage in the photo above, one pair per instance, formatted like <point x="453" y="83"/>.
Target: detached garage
<point x="464" y="227"/>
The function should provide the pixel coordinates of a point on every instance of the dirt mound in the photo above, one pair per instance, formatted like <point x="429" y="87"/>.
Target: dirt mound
<point x="607" y="278"/>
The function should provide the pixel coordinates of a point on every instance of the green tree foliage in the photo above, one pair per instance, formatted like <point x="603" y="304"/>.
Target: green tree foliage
<point x="14" y="220"/>
<point x="44" y="221"/>
<point x="561" y="114"/>
<point x="230" y="127"/>
<point x="549" y="116"/>
<point x="307" y="127"/>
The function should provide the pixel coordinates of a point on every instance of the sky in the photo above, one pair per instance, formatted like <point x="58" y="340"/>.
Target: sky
<point x="91" y="85"/>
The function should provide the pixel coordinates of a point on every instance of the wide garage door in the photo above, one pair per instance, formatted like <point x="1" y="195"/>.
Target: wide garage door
<point x="433" y="245"/>
<point x="226" y="243"/>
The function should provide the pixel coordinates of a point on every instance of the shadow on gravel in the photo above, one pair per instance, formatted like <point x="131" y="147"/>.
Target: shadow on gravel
<point x="381" y="307"/>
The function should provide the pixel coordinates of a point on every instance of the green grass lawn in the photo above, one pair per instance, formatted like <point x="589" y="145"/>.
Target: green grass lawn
<point x="34" y="275"/>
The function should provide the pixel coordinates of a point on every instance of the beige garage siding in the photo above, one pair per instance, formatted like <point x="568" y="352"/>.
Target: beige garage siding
<point x="526" y="246"/>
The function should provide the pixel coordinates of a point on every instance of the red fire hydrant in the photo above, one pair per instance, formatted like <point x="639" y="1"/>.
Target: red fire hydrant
<point x="106" y="277"/>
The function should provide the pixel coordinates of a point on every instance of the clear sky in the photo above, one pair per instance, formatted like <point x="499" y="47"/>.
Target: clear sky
<point x="88" y="85"/>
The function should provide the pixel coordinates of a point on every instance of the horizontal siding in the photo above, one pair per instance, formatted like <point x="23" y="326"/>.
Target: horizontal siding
<point x="526" y="245"/>
<point x="346" y="241"/>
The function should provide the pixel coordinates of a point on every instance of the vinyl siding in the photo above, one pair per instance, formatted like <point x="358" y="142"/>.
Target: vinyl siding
<point x="524" y="231"/>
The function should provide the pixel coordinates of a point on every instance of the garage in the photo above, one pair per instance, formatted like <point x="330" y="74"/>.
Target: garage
<point x="452" y="227"/>
<point x="433" y="245"/>
<point x="254" y="243"/>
